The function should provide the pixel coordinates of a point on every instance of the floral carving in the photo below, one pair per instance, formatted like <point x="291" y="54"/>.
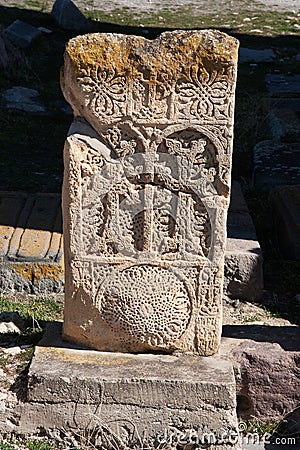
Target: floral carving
<point x="105" y="92"/>
<point x="203" y="95"/>
<point x="146" y="203"/>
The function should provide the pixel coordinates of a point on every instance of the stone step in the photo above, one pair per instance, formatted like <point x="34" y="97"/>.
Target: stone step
<point x="31" y="246"/>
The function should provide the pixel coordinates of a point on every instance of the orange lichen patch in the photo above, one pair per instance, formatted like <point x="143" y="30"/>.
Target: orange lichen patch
<point x="172" y="51"/>
<point x="54" y="271"/>
<point x="24" y="269"/>
<point x="35" y="271"/>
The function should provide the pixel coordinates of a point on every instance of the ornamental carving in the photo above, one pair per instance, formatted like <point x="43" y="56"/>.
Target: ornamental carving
<point x="146" y="189"/>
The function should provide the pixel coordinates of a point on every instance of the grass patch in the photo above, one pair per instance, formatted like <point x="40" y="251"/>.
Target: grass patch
<point x="247" y="20"/>
<point x="25" y="444"/>
<point x="35" y="308"/>
<point x="36" y="312"/>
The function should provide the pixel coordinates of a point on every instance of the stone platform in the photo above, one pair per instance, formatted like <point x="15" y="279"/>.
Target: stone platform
<point x="134" y="398"/>
<point x="31" y="248"/>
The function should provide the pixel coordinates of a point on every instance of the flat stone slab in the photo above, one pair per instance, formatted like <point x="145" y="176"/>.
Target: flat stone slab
<point x="285" y="203"/>
<point x="22" y="34"/>
<point x="247" y="55"/>
<point x="276" y="164"/>
<point x="23" y="99"/>
<point x="31" y="245"/>
<point x="158" y="394"/>
<point x="279" y="84"/>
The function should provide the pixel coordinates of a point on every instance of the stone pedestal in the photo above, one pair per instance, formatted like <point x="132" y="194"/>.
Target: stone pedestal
<point x="146" y="189"/>
<point x="137" y="401"/>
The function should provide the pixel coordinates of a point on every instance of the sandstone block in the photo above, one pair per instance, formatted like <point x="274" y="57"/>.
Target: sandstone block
<point x="243" y="270"/>
<point x="266" y="364"/>
<point x="146" y="189"/>
<point x="284" y="118"/>
<point x="270" y="379"/>
<point x="23" y="99"/>
<point x="30" y="243"/>
<point x="276" y="164"/>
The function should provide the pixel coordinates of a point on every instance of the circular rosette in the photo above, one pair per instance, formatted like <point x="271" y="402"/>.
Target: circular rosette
<point x="145" y="306"/>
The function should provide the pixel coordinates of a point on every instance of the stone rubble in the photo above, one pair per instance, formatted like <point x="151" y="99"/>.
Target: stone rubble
<point x="22" y="34"/>
<point x="69" y="17"/>
<point x="23" y="99"/>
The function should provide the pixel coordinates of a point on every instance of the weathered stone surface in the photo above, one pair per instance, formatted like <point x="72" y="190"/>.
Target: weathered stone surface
<point x="285" y="203"/>
<point x="284" y="118"/>
<point x="282" y="84"/>
<point x="276" y="164"/>
<point x="254" y="55"/>
<point x="22" y="34"/>
<point x="270" y="379"/>
<point x="242" y="275"/>
<point x="266" y="363"/>
<point x="146" y="191"/>
<point x="156" y="394"/>
<point x="22" y="98"/>
<point x="69" y="17"/>
<point x="9" y="55"/>
<point x="30" y="243"/>
<point x="243" y="269"/>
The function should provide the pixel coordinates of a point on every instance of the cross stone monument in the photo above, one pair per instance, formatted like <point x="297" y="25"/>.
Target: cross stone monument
<point x="146" y="189"/>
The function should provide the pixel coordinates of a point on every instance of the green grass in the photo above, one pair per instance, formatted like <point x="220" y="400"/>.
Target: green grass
<point x="246" y="20"/>
<point x="258" y="426"/>
<point x="24" y="444"/>
<point x="36" y="312"/>
<point x="33" y="308"/>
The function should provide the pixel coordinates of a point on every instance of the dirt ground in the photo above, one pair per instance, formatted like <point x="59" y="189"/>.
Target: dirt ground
<point x="203" y="6"/>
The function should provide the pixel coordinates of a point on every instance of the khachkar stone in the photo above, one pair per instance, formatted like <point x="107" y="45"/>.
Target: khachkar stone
<point x="146" y="189"/>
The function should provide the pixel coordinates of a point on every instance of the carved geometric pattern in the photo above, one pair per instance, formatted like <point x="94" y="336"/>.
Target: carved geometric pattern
<point x="146" y="190"/>
<point x="146" y="304"/>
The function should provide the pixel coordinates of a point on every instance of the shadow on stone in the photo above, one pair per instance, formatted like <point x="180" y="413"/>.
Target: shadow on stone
<point x="287" y="337"/>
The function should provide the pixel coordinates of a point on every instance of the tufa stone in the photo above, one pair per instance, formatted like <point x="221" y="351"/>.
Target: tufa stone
<point x="146" y="189"/>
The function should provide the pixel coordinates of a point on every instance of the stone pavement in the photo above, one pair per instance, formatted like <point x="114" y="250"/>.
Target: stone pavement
<point x="31" y="246"/>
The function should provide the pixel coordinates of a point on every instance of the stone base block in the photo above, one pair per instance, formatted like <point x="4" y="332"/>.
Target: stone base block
<point x="243" y="271"/>
<point x="132" y="397"/>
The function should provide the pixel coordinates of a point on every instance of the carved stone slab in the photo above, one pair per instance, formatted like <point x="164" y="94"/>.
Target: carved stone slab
<point x="146" y="189"/>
